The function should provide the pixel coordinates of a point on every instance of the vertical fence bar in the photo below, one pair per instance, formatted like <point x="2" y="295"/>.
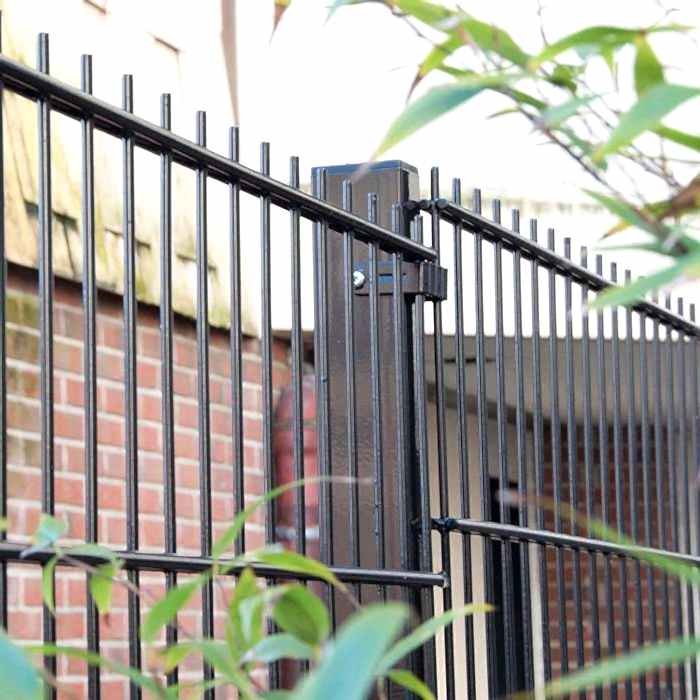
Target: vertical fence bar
<point x="376" y="393"/>
<point x="46" y="283"/>
<point x="89" y="289"/>
<point x="503" y="475"/>
<point x="672" y="475"/>
<point x="633" y="478"/>
<point x="235" y="339"/>
<point x="462" y="446"/>
<point x="130" y="378"/>
<point x="685" y="489"/>
<point x="297" y="364"/>
<point x="521" y="447"/>
<point x="605" y="472"/>
<point x="401" y="399"/>
<point x="588" y="454"/>
<point x="645" y="424"/>
<point x="538" y="453"/>
<point x="617" y="467"/>
<point x="441" y="429"/>
<point x="555" y="430"/>
<point x="3" y="355"/>
<point x="482" y="418"/>
<point x="321" y="371"/>
<point x="694" y="424"/>
<point x="420" y="400"/>
<point x="572" y="457"/>
<point x="266" y="321"/>
<point x="204" y="418"/>
<point x="659" y="481"/>
<point x="350" y="378"/>
<point x="166" y="361"/>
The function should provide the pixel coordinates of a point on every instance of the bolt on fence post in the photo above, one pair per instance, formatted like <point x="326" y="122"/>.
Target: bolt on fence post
<point x="383" y="534"/>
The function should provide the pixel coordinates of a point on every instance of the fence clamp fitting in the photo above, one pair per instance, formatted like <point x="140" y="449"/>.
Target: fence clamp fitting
<point x="425" y="278"/>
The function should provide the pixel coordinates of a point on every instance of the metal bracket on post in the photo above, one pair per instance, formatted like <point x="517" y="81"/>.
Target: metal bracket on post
<point x="424" y="278"/>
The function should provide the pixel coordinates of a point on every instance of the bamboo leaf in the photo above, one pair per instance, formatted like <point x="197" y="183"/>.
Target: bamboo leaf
<point x="279" y="646"/>
<point x="427" y="631"/>
<point x="680" y="137"/>
<point x="165" y="610"/>
<point x="600" y="38"/>
<point x="92" y="550"/>
<point x="648" y="71"/>
<point x="301" y="613"/>
<point x="141" y="679"/>
<point x="435" y="103"/>
<point x="294" y="563"/>
<point x="620" y="667"/>
<point x="101" y="585"/>
<point x="491" y="39"/>
<point x="655" y="104"/>
<point x="47" y="582"/>
<point x="351" y="663"/>
<point x="19" y="679"/>
<point x="554" y="116"/>
<point x="411" y="682"/>
<point x="245" y="631"/>
<point x="436" y="58"/>
<point x="630" y="293"/>
<point x="47" y="532"/>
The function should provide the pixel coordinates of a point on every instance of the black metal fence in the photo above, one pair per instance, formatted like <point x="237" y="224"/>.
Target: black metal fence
<point x="478" y="446"/>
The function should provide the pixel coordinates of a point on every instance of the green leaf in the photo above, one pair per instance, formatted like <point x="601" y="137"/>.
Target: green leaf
<point x="620" y="667"/>
<point x="602" y="38"/>
<point x="19" y="679"/>
<point x="351" y="664"/>
<point x="245" y="631"/>
<point x="435" y="58"/>
<point x="4" y="524"/>
<point x="411" y="682"/>
<point x="427" y="631"/>
<point x="629" y="214"/>
<point x="233" y="532"/>
<point x="92" y="550"/>
<point x="427" y="12"/>
<point x="301" y="613"/>
<point x="648" y="70"/>
<point x="101" y="585"/>
<point x="143" y="680"/>
<point x="680" y="137"/>
<point x="436" y="102"/>
<point x="47" y="581"/>
<point x="655" y="104"/>
<point x="279" y="646"/>
<point x="165" y="610"/>
<point x="175" y="654"/>
<point x="47" y="532"/>
<point x="630" y="293"/>
<point x="554" y="116"/>
<point x="295" y="563"/>
<point x="491" y="39"/>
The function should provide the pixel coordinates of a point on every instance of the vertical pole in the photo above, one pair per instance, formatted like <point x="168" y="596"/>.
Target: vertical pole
<point x="376" y="351"/>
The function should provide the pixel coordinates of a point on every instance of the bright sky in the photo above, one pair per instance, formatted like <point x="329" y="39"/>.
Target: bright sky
<point x="329" y="90"/>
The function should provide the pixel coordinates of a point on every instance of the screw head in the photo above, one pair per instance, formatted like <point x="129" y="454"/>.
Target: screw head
<point x="358" y="279"/>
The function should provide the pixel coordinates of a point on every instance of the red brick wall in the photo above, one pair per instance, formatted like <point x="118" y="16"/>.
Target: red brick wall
<point x="24" y="474"/>
<point x="624" y="593"/>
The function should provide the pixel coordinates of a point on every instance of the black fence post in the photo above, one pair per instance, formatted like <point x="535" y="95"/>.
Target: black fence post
<point x="372" y="390"/>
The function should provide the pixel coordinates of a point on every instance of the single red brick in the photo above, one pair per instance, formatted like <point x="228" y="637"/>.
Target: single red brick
<point x="68" y="425"/>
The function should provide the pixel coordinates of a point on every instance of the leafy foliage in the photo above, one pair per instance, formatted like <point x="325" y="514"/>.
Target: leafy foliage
<point x="619" y="141"/>
<point x="369" y="637"/>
